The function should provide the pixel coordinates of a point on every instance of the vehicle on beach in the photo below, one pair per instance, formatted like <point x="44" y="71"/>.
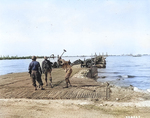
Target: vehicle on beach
<point x="98" y="61"/>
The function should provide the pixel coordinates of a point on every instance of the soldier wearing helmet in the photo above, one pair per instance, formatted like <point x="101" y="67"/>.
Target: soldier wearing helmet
<point x="67" y="67"/>
<point x="35" y="73"/>
<point x="47" y="69"/>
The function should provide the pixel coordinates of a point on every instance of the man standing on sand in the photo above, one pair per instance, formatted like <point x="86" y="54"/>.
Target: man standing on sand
<point x="35" y="73"/>
<point x="47" y="69"/>
<point x="67" y="67"/>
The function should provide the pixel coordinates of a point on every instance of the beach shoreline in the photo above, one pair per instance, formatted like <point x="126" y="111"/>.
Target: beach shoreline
<point x="86" y="97"/>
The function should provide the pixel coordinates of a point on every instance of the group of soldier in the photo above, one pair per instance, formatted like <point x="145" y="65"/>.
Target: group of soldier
<point x="36" y="71"/>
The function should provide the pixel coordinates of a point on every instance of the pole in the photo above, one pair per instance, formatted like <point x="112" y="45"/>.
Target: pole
<point x="63" y="53"/>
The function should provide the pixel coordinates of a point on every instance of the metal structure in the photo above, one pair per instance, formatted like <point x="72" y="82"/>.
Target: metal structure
<point x="98" y="61"/>
<point x="63" y="53"/>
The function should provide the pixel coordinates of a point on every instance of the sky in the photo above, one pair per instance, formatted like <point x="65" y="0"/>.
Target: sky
<point x="82" y="27"/>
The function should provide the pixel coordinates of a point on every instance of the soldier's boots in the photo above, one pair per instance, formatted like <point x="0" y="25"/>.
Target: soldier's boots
<point x="35" y="88"/>
<point x="42" y="88"/>
<point x="67" y="82"/>
<point x="66" y="85"/>
<point x="46" y="81"/>
<point x="51" y="83"/>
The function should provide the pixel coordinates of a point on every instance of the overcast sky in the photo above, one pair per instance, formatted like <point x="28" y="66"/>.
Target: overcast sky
<point x="82" y="27"/>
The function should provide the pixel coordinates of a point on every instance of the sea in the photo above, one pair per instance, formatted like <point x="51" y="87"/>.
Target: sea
<point x="122" y="71"/>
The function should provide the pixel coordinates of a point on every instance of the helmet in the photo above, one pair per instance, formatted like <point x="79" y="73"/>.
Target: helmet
<point x="34" y="58"/>
<point x="45" y="57"/>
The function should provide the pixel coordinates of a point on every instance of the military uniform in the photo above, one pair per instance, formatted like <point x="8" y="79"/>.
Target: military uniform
<point x="66" y="66"/>
<point x="35" y="73"/>
<point x="68" y="72"/>
<point x="47" y="69"/>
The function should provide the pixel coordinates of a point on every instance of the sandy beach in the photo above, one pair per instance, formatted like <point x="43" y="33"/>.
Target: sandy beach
<point x="86" y="99"/>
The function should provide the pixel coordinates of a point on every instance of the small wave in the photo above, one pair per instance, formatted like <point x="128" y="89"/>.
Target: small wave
<point x="127" y="76"/>
<point x="108" y="72"/>
<point x="119" y="76"/>
<point x="139" y="90"/>
<point x="132" y="76"/>
<point x="116" y="72"/>
<point x="122" y="76"/>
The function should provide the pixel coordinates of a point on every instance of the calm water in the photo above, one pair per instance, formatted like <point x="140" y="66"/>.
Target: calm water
<point x="120" y="70"/>
<point x="21" y="65"/>
<point x="126" y="70"/>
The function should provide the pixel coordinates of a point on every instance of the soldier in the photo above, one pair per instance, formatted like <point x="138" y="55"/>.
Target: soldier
<point x="58" y="64"/>
<point x="95" y="61"/>
<point x="81" y="63"/>
<point x="47" y="69"/>
<point x="65" y="65"/>
<point x="35" y="73"/>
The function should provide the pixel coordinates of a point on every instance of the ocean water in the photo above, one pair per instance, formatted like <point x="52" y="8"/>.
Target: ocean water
<point x="120" y="70"/>
<point x="127" y="70"/>
<point x="14" y="66"/>
<point x="21" y="65"/>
